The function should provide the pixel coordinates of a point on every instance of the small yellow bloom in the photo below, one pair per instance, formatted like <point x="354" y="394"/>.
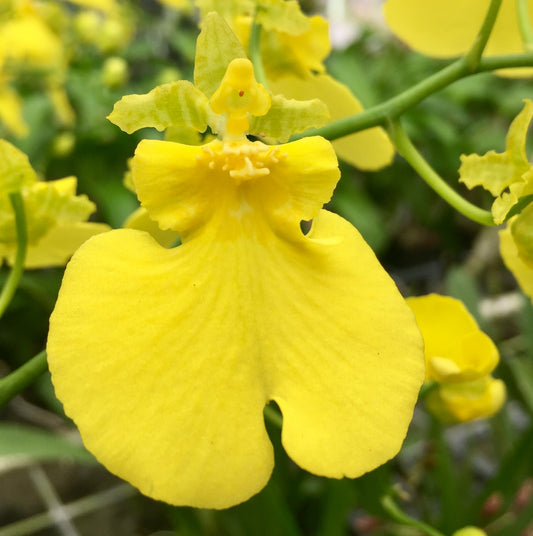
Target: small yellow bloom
<point x="460" y="357"/>
<point x="166" y="358"/>
<point x="447" y="28"/>
<point x="55" y="216"/>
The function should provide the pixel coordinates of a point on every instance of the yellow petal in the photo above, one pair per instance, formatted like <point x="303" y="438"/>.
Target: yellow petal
<point x="443" y="29"/>
<point x="179" y="350"/>
<point x="15" y="169"/>
<point x="11" y="112"/>
<point x="182" y="186"/>
<point x="465" y="401"/>
<point x="296" y="54"/>
<point x="456" y="349"/>
<point x="370" y="149"/>
<point x="57" y="246"/>
<point x="522" y="271"/>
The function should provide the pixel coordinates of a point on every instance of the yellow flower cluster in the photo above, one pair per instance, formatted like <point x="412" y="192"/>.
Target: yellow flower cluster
<point x="460" y="358"/>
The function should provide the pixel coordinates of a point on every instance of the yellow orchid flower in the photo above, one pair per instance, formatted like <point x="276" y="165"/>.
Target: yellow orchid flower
<point x="55" y="216"/>
<point x="509" y="177"/>
<point x="447" y="28"/>
<point x="460" y="357"/>
<point x="166" y="358"/>
<point x="293" y="49"/>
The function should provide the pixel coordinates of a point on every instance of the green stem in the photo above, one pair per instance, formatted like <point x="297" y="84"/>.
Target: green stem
<point x="400" y="516"/>
<point x="426" y="388"/>
<point x="394" y="107"/>
<point x="473" y="56"/>
<point x="524" y="23"/>
<point x="18" y="380"/>
<point x="417" y="162"/>
<point x="254" y="51"/>
<point x="273" y="416"/>
<point x="11" y="284"/>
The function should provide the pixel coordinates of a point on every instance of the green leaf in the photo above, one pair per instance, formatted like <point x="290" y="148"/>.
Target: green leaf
<point x="21" y="445"/>
<point x="15" y="169"/>
<point x="173" y="104"/>
<point x="522" y="370"/>
<point x="216" y="47"/>
<point x="289" y="116"/>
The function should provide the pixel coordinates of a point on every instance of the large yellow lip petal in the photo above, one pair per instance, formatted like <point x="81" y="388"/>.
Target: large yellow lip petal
<point x="447" y="28"/>
<point x="370" y="149"/>
<point x="166" y="358"/>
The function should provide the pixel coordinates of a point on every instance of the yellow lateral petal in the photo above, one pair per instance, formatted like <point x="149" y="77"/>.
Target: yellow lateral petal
<point x="370" y="149"/>
<point x="57" y="246"/>
<point x="179" y="350"/>
<point x="523" y="272"/>
<point x="443" y="322"/>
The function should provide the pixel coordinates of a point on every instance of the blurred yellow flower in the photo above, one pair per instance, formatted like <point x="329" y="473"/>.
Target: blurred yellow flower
<point x="28" y="43"/>
<point x="55" y="216"/>
<point x="166" y="358"/>
<point x="460" y="358"/>
<point x="447" y="28"/>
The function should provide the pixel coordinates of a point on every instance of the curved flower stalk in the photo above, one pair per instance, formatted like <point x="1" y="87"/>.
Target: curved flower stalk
<point x="447" y="28"/>
<point x="293" y="48"/>
<point x="166" y="358"/>
<point x="459" y="358"/>
<point x="55" y="216"/>
<point x="509" y="177"/>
